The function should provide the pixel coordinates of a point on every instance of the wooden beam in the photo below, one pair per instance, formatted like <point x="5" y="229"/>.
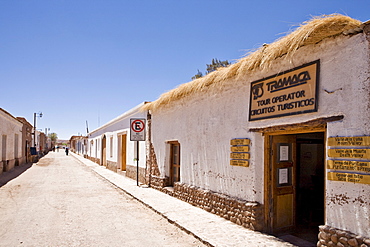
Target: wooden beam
<point x="318" y="123"/>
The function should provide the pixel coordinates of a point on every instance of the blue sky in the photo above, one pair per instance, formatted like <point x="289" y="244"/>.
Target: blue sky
<point x="92" y="60"/>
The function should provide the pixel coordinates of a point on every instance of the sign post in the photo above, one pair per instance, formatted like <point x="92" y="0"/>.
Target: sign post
<point x="137" y="133"/>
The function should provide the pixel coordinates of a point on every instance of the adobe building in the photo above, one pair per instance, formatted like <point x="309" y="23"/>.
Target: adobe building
<point x="78" y="145"/>
<point x="11" y="141"/>
<point x="26" y="140"/>
<point x="113" y="145"/>
<point x="279" y="141"/>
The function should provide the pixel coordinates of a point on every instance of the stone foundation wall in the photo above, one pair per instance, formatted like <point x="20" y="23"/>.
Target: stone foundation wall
<point x="131" y="173"/>
<point x="22" y="160"/>
<point x="330" y="237"/>
<point x="96" y="160"/>
<point x="9" y="164"/>
<point x="158" y="182"/>
<point x="244" y="213"/>
<point x="111" y="165"/>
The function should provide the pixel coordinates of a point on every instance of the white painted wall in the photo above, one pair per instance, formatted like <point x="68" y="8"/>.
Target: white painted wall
<point x="204" y="124"/>
<point x="12" y="128"/>
<point x="115" y="128"/>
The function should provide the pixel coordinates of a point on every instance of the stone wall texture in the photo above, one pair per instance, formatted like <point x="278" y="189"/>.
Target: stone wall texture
<point x="111" y="165"/>
<point x="96" y="160"/>
<point x="131" y="172"/>
<point x="244" y="213"/>
<point x="334" y="237"/>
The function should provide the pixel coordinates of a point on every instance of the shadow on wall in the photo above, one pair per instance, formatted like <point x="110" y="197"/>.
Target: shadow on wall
<point x="10" y="175"/>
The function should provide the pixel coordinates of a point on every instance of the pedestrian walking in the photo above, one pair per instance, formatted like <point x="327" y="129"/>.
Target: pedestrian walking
<point x="66" y="150"/>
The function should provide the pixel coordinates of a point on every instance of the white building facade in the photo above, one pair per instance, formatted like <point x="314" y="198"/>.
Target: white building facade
<point x="110" y="145"/>
<point x="283" y="148"/>
<point x="11" y="141"/>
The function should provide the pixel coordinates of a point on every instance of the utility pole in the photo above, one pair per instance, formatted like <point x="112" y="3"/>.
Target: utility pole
<point x="34" y="126"/>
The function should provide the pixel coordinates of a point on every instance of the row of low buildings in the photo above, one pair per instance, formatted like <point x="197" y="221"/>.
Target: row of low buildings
<point x="17" y="144"/>
<point x="278" y="142"/>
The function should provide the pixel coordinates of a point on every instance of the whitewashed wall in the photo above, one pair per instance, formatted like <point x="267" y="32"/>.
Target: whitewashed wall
<point x="115" y="128"/>
<point x="12" y="128"/>
<point x="205" y="123"/>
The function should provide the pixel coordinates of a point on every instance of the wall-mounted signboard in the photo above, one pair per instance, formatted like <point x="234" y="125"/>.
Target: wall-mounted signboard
<point x="349" y="177"/>
<point x="239" y="155"/>
<point x="289" y="93"/>
<point x="351" y="161"/>
<point x="347" y="165"/>
<point x="349" y="141"/>
<point x="352" y="153"/>
<point x="244" y="163"/>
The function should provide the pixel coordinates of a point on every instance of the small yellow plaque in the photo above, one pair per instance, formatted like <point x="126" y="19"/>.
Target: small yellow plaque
<point x="240" y="156"/>
<point x="349" y="141"/>
<point x="244" y="163"/>
<point x="241" y="141"/>
<point x="349" y="177"/>
<point x="345" y="165"/>
<point x="349" y="153"/>
<point x="240" y="149"/>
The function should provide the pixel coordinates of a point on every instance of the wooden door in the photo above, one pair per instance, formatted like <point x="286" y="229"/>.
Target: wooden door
<point x="123" y="152"/>
<point x="283" y="166"/>
<point x="104" y="151"/>
<point x="175" y="163"/>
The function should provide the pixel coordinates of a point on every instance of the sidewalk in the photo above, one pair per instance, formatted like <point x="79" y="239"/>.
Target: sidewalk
<point x="209" y="228"/>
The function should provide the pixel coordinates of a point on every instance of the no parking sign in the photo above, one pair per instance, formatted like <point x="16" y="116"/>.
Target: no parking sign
<point x="137" y="129"/>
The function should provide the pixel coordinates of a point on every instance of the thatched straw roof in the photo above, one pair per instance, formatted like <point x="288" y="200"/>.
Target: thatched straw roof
<point x="310" y="32"/>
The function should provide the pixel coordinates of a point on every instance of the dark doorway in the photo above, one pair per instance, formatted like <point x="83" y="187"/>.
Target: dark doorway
<point x="310" y="185"/>
<point x="297" y="186"/>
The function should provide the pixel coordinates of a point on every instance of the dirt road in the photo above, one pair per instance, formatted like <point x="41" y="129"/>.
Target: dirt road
<point x="60" y="202"/>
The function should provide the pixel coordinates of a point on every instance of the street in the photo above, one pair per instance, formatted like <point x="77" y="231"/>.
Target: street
<point x="61" y="202"/>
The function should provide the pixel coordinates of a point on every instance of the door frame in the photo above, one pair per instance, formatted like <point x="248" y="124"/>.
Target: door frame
<point x="103" y="160"/>
<point x="172" y="179"/>
<point x="268" y="194"/>
<point x="122" y="151"/>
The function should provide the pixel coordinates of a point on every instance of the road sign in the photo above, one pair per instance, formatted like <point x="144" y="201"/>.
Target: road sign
<point x="137" y="129"/>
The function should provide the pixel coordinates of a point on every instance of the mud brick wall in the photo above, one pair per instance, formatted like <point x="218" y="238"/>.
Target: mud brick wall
<point x="330" y="237"/>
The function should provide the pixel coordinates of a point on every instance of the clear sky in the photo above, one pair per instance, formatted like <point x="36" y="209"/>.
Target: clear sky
<point x="92" y="60"/>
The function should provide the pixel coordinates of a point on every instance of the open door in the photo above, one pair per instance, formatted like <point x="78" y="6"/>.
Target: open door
<point x="282" y="183"/>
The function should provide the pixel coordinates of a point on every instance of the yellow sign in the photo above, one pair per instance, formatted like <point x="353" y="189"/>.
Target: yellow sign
<point x="349" y="153"/>
<point x="358" y="166"/>
<point x="349" y="177"/>
<point x="240" y="149"/>
<point x="289" y="93"/>
<point x="244" y="163"/>
<point x="234" y="142"/>
<point x="239" y="156"/>
<point x="349" y="141"/>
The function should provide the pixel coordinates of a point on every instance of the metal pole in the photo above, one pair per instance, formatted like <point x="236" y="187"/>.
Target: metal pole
<point x="34" y="129"/>
<point x="137" y="163"/>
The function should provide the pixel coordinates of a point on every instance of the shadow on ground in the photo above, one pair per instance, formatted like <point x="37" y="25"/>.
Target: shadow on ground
<point x="5" y="177"/>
